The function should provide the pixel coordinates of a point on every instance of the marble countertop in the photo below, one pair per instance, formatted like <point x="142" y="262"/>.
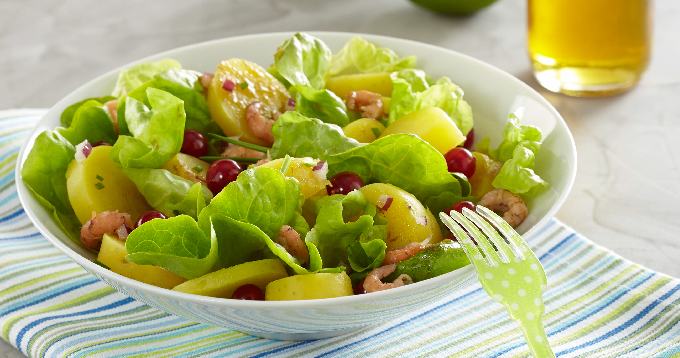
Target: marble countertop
<point x="629" y="153"/>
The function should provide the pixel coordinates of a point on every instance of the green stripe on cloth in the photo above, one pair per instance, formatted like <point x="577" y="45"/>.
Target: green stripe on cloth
<point x="597" y="304"/>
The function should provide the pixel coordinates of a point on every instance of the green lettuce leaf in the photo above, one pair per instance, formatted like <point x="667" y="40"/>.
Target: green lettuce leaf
<point x="411" y="92"/>
<point x="303" y="60"/>
<point x="299" y="136"/>
<point x="402" y="160"/>
<point x="368" y="252"/>
<point x="321" y="104"/>
<point x="331" y="234"/>
<point x="175" y="244"/>
<point x="167" y="192"/>
<point x="44" y="173"/>
<point x="361" y="56"/>
<point x="158" y="131"/>
<point x="514" y="134"/>
<point x="90" y="121"/>
<point x="70" y="111"/>
<point x="183" y="84"/>
<point x="135" y="76"/>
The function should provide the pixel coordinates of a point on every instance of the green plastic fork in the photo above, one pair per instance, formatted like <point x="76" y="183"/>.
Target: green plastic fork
<point x="511" y="273"/>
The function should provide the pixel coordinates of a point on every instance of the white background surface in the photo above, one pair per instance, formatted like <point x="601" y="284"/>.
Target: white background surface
<point x="628" y="179"/>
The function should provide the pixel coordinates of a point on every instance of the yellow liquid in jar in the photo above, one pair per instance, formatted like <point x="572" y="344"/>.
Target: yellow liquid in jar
<point x="589" y="47"/>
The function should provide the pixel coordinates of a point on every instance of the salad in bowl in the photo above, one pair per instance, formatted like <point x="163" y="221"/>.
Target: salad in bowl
<point x="315" y="177"/>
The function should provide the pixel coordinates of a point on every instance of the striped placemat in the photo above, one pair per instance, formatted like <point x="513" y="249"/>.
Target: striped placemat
<point x="598" y="304"/>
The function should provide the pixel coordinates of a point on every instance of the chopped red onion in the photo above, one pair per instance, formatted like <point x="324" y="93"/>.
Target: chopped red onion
<point x="123" y="232"/>
<point x="290" y="105"/>
<point x="422" y="220"/>
<point x="320" y="170"/>
<point x="83" y="151"/>
<point x="385" y="201"/>
<point x="101" y="142"/>
<point x="319" y="165"/>
<point x="228" y="85"/>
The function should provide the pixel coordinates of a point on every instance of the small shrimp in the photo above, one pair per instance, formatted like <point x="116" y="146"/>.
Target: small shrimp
<point x="112" y="106"/>
<point x="513" y="207"/>
<point x="258" y="124"/>
<point x="100" y="224"/>
<point x="370" y="104"/>
<point x="398" y="255"/>
<point x="236" y="151"/>
<point x="372" y="282"/>
<point x="206" y="79"/>
<point x="292" y="242"/>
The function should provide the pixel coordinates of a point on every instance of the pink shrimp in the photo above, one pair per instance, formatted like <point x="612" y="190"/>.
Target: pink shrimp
<point x="292" y="242"/>
<point x="112" y="106"/>
<point x="370" y="104"/>
<point x="513" y="206"/>
<point x="372" y="282"/>
<point x="206" y="79"/>
<point x="258" y="124"/>
<point x="100" y="224"/>
<point x="400" y="254"/>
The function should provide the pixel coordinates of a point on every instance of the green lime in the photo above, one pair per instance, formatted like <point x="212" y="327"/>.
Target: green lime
<point x="454" y="7"/>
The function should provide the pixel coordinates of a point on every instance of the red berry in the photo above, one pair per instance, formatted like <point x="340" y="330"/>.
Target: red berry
<point x="469" y="139"/>
<point x="149" y="215"/>
<point x="343" y="183"/>
<point x="358" y="288"/>
<point x="248" y="292"/>
<point x="460" y="205"/>
<point x="221" y="173"/>
<point x="461" y="160"/>
<point x="194" y="143"/>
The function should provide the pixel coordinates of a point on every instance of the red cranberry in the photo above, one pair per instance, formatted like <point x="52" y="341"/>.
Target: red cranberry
<point x="194" y="143"/>
<point x="221" y="173"/>
<point x="469" y="139"/>
<point x="461" y="160"/>
<point x="358" y="288"/>
<point x="149" y="215"/>
<point x="248" y="292"/>
<point x="343" y="183"/>
<point x="460" y="205"/>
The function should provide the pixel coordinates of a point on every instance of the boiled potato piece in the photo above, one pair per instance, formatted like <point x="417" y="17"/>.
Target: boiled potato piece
<point x="87" y="193"/>
<point x="309" y="287"/>
<point x="362" y="130"/>
<point x="228" y="108"/>
<point x="409" y="220"/>
<point x="112" y="254"/>
<point x="486" y="170"/>
<point x="380" y="82"/>
<point x="432" y="125"/>
<point x="224" y="282"/>
<point x="311" y="181"/>
<point x="187" y="167"/>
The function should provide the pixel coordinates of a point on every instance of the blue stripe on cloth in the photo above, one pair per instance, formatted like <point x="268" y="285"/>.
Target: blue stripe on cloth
<point x="49" y="295"/>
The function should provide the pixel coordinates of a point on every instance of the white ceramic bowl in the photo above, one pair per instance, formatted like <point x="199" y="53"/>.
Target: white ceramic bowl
<point x="492" y="94"/>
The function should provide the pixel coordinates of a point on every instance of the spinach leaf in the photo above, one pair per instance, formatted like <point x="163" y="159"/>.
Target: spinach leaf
<point x="361" y="56"/>
<point x="299" y="136"/>
<point x="167" y="192"/>
<point x="368" y="252"/>
<point x="402" y="160"/>
<point x="158" y="131"/>
<point x="321" y="104"/>
<point x="90" y="121"/>
<point x="70" y="111"/>
<point x="135" y="76"/>
<point x="183" y="84"/>
<point x="175" y="244"/>
<point x="44" y="173"/>
<point x="303" y="60"/>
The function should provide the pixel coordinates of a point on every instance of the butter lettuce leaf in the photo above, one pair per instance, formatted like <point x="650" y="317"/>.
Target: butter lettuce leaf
<point x="412" y="90"/>
<point x="175" y="244"/>
<point x="361" y="56"/>
<point x="402" y="160"/>
<point x="44" y="173"/>
<point x="368" y="252"/>
<point x="321" y="104"/>
<point x="90" y="121"/>
<point x="303" y="60"/>
<point x="299" y="136"/>
<point x="135" y="76"/>
<point x="167" y="192"/>
<point x="67" y="115"/>
<point x="158" y="131"/>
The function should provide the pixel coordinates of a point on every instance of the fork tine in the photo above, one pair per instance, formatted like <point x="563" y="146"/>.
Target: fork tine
<point x="481" y="239"/>
<point x="504" y="250"/>
<point x="519" y="247"/>
<point x="470" y="248"/>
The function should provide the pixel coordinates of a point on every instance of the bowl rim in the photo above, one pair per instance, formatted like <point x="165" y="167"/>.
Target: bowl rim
<point x="462" y="273"/>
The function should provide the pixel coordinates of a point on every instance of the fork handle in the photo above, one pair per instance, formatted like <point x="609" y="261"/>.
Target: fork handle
<point x="534" y="335"/>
